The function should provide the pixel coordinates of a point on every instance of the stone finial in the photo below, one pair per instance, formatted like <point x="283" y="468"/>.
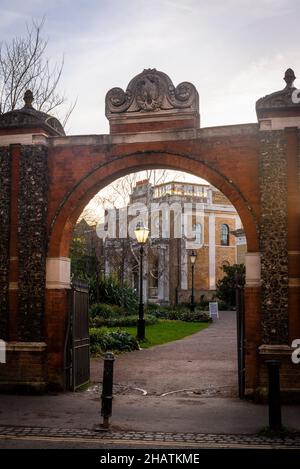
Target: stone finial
<point x="289" y="77"/>
<point x="28" y="98"/>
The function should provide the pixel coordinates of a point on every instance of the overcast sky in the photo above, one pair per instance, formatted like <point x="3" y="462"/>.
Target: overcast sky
<point x="233" y="51"/>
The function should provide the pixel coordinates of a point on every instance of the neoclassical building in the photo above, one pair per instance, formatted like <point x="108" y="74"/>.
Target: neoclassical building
<point x="167" y="269"/>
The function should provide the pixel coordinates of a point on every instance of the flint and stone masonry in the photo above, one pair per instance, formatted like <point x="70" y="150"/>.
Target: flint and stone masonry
<point x="4" y="238"/>
<point x="273" y="237"/>
<point x="32" y="240"/>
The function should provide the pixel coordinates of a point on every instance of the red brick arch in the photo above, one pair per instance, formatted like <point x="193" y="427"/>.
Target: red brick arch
<point x="74" y="201"/>
<point x="81" y="166"/>
<point x="45" y="173"/>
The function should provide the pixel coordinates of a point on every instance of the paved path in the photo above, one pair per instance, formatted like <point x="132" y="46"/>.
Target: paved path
<point x="205" y="362"/>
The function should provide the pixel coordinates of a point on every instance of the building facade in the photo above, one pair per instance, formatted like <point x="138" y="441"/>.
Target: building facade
<point x="167" y="269"/>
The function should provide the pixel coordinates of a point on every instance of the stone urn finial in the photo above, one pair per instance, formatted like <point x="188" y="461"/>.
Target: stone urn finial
<point x="289" y="77"/>
<point x="28" y="98"/>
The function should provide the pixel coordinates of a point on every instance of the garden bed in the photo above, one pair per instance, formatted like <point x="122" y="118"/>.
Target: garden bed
<point x="124" y="339"/>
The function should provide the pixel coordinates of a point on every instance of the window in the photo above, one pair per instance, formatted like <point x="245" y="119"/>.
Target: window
<point x="225" y="235"/>
<point x="168" y="189"/>
<point x="188" y="190"/>
<point x="198" y="233"/>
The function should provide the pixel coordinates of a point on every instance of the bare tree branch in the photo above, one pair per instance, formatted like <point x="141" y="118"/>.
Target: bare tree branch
<point x="24" y="65"/>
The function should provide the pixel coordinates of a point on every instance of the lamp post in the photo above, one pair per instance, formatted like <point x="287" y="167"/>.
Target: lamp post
<point x="193" y="257"/>
<point x="141" y="234"/>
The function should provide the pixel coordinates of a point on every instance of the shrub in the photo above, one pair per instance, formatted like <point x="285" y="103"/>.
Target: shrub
<point x="223" y="306"/>
<point x="163" y="313"/>
<point x="183" y="314"/>
<point x="152" y="307"/>
<point x="103" y="340"/>
<point x="110" y="291"/>
<point x="195" y="316"/>
<point x="226" y="288"/>
<point x="122" y="321"/>
<point x="106" y="310"/>
<point x="203" y="305"/>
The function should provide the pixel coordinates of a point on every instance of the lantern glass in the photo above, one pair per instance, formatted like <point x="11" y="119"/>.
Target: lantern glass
<point x="193" y="257"/>
<point x="141" y="234"/>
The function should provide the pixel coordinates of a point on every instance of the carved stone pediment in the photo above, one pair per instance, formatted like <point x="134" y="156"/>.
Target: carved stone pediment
<point x="151" y="91"/>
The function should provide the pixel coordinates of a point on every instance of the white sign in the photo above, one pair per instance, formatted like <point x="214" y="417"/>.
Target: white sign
<point x="214" y="310"/>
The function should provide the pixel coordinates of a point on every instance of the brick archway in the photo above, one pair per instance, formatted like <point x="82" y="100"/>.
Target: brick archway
<point x="47" y="178"/>
<point x="66" y="215"/>
<point x="98" y="166"/>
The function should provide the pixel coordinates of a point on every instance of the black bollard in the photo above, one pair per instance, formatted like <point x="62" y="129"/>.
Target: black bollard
<point x="107" y="388"/>
<point x="275" y="422"/>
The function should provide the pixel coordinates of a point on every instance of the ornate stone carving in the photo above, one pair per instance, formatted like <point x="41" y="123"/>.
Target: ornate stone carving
<point x="151" y="91"/>
<point x="282" y="98"/>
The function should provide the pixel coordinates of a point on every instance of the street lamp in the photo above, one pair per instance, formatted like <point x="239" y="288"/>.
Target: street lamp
<point x="193" y="257"/>
<point x="141" y="234"/>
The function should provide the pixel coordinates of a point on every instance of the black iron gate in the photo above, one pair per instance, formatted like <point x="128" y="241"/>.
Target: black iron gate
<point x="240" y="322"/>
<point x="77" y="349"/>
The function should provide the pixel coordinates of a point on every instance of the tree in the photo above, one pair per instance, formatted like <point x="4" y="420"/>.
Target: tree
<point x="226" y="288"/>
<point x="24" y="65"/>
<point x="86" y="252"/>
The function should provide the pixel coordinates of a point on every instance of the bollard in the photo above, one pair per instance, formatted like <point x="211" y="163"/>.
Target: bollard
<point x="107" y="388"/>
<point x="274" y="395"/>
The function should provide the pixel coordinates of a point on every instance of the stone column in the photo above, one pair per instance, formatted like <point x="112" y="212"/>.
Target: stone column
<point x="161" y="270"/>
<point x="167" y="276"/>
<point x="184" y="265"/>
<point x="58" y="273"/>
<point x="253" y="269"/>
<point x="212" y="250"/>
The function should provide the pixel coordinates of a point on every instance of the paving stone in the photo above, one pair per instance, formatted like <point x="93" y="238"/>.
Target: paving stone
<point x="211" y="439"/>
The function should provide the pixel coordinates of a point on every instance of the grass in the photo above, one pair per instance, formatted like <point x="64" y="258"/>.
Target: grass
<point x="166" y="331"/>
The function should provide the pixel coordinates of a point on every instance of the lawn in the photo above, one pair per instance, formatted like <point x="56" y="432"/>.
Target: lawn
<point x="167" y="331"/>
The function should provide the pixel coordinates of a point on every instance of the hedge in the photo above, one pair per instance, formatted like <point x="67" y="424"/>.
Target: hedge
<point x="121" y="321"/>
<point x="103" y="340"/>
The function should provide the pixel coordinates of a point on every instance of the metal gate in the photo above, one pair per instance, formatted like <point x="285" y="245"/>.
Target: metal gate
<point x="77" y="348"/>
<point x="240" y="322"/>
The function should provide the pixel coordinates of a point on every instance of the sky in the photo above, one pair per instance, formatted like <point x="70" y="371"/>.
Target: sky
<point x="233" y="51"/>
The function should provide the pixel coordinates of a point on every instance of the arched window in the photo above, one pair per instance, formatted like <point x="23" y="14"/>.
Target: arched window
<point x="225" y="235"/>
